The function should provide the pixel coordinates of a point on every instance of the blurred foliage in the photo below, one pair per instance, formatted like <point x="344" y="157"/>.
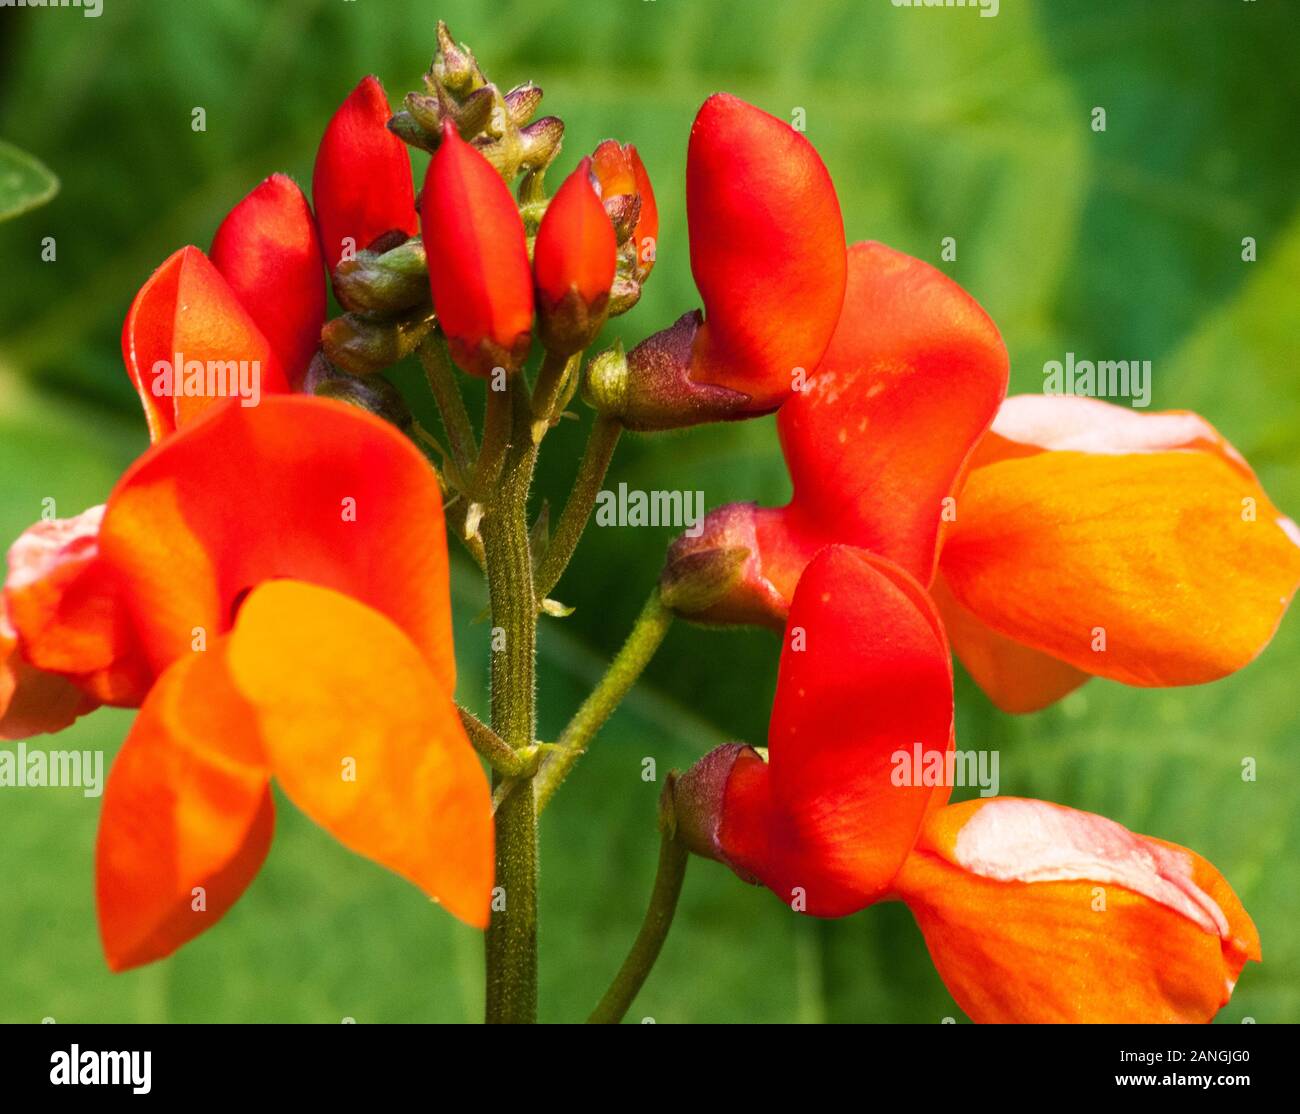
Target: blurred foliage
<point x="1119" y="244"/>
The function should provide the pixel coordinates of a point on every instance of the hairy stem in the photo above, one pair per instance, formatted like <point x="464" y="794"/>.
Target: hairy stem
<point x="647" y="633"/>
<point x="444" y="385"/>
<point x="511" y="944"/>
<point x="658" y="920"/>
<point x="601" y="443"/>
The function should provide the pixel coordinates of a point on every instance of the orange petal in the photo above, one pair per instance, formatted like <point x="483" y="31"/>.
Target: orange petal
<point x="186" y="308"/>
<point x="296" y="487"/>
<point x="187" y="814"/>
<point x="865" y="675"/>
<point x="1162" y="565"/>
<point x="1038" y="913"/>
<point x="1016" y="678"/>
<point x="364" y="739"/>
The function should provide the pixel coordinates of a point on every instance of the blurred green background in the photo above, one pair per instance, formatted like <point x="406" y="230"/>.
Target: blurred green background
<point x="1125" y="244"/>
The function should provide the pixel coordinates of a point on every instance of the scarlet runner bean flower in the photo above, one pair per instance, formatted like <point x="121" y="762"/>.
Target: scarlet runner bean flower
<point x="252" y="555"/>
<point x="1073" y="538"/>
<point x="1031" y="911"/>
<point x="767" y="253"/>
<point x="478" y="258"/>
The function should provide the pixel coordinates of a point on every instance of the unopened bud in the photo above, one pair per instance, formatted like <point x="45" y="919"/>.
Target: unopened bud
<point x="540" y="142"/>
<point x="374" y="394"/>
<point x="522" y="102"/>
<point x="454" y="67"/>
<point x="362" y="346"/>
<point x="389" y="283"/>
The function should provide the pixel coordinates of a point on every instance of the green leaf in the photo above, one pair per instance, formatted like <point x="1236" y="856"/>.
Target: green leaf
<point x="26" y="183"/>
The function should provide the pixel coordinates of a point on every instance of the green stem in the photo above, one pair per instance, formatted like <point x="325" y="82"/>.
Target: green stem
<point x="511" y="943"/>
<point x="658" y="920"/>
<point x="647" y="633"/>
<point x="444" y="385"/>
<point x="555" y="373"/>
<point x="601" y="443"/>
<point x="499" y="435"/>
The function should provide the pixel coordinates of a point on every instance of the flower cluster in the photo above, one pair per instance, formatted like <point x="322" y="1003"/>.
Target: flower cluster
<point x="269" y="582"/>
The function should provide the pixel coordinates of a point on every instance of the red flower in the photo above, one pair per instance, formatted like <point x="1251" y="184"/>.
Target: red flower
<point x="1005" y="890"/>
<point x="362" y="184"/>
<point x="573" y="261"/>
<point x="268" y="251"/>
<point x="1046" y="575"/>
<point x="285" y="572"/>
<point x="273" y="584"/>
<point x="767" y="253"/>
<point x="478" y="258"/>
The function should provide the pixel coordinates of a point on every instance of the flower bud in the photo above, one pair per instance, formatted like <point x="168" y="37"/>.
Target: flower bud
<point x="478" y="259"/>
<point x="522" y="102"/>
<point x="268" y="252"/>
<point x="573" y="262"/>
<point x="362" y="346"/>
<point x="362" y="183"/>
<point x="454" y="67"/>
<point x="768" y="256"/>
<point x="374" y="393"/>
<point x="629" y="200"/>
<point x="394" y="282"/>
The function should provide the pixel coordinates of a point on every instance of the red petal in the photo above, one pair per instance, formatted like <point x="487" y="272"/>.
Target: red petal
<point x="478" y="258"/>
<point x="362" y="183"/>
<point x="575" y="248"/>
<point x="767" y="250"/>
<point x="910" y="382"/>
<point x="187" y="308"/>
<point x="865" y="677"/>
<point x="268" y="251"/>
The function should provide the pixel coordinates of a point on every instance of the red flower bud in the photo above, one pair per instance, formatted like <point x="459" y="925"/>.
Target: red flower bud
<point x="362" y="181"/>
<point x="478" y="258"/>
<point x="622" y="177"/>
<point x="268" y="251"/>
<point x="573" y="261"/>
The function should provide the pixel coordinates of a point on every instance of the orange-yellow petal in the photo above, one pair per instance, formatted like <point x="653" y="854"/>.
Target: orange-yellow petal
<point x="1143" y="550"/>
<point x="187" y="814"/>
<point x="1037" y="913"/>
<point x="1015" y="677"/>
<point x="363" y="738"/>
<point x="296" y="487"/>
